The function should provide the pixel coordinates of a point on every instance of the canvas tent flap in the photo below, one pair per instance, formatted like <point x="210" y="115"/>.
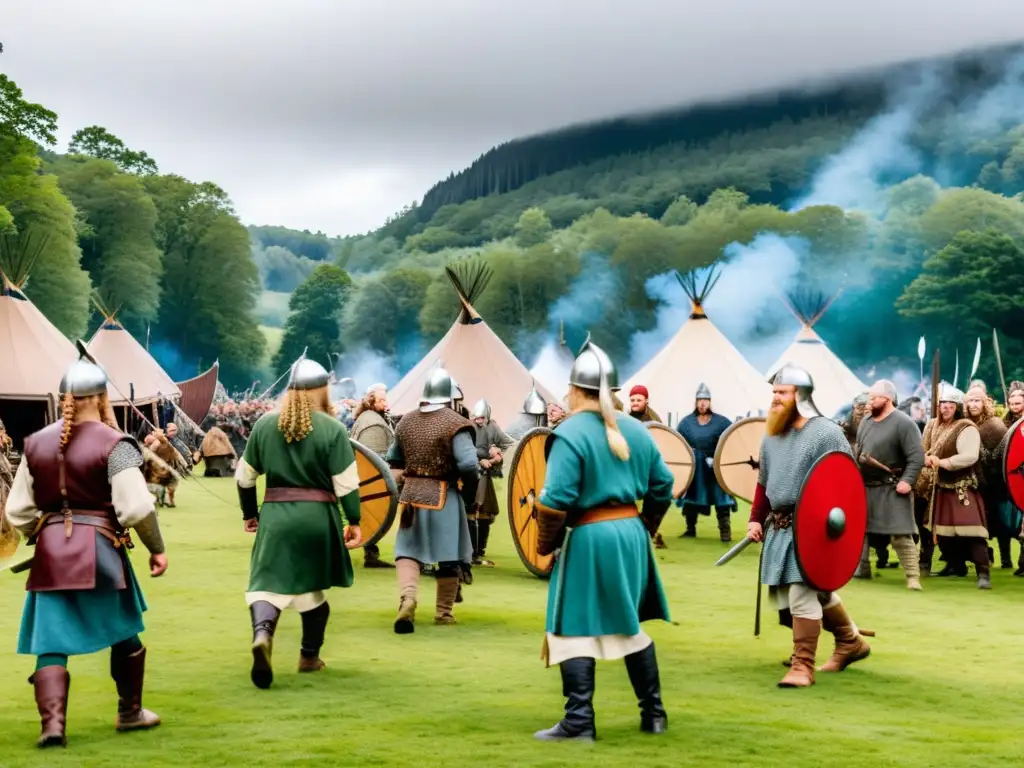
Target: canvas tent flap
<point x="130" y="368"/>
<point x="34" y="354"/>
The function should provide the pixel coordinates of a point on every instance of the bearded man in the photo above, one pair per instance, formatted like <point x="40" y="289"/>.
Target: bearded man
<point x="434" y="448"/>
<point x="373" y="428"/>
<point x="702" y="430"/>
<point x="980" y="411"/>
<point x="952" y="446"/>
<point x="797" y="436"/>
<point x="77" y="492"/>
<point x="302" y="543"/>
<point x="491" y="445"/>
<point x="639" y="405"/>
<point x="888" y="450"/>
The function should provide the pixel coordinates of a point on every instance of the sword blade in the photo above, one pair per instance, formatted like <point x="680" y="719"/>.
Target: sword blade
<point x="734" y="551"/>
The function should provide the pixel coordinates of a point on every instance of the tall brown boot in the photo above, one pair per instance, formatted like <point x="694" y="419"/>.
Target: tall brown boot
<point x="128" y="673"/>
<point x="408" y="579"/>
<point x="447" y="588"/>
<point x="52" y="684"/>
<point x="850" y="645"/>
<point x="805" y="646"/>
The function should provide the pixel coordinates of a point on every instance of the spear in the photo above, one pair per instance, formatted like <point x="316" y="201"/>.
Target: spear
<point x="956" y="369"/>
<point x="977" y="360"/>
<point x="920" y="355"/>
<point x="999" y="363"/>
<point x="936" y="372"/>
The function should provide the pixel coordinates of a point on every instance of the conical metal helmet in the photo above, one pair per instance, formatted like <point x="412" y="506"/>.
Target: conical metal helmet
<point x="438" y="389"/>
<point x="456" y="391"/>
<point x="950" y="394"/>
<point x="592" y="364"/>
<point x="798" y="377"/>
<point x="347" y="388"/>
<point x="85" y="377"/>
<point x="703" y="393"/>
<point x="482" y="410"/>
<point x="307" y="374"/>
<point x="535" y="405"/>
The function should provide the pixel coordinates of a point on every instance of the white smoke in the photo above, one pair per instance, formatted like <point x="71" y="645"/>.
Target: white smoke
<point x="366" y="367"/>
<point x="592" y="294"/>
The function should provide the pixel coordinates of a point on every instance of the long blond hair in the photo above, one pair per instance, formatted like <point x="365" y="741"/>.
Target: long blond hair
<point x="296" y="419"/>
<point x="601" y="403"/>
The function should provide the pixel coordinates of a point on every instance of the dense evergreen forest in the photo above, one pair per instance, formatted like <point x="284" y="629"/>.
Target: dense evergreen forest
<point x="900" y="187"/>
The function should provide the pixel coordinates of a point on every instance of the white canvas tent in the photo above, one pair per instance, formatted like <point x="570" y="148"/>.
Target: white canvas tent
<point x="698" y="353"/>
<point x="472" y="353"/>
<point x="554" y="364"/>
<point x="835" y="385"/>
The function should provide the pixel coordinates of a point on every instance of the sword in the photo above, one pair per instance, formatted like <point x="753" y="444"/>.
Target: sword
<point x="734" y="551"/>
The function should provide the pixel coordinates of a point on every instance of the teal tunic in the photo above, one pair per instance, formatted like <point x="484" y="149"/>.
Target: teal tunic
<point x="299" y="545"/>
<point x="605" y="581"/>
<point x="77" y="622"/>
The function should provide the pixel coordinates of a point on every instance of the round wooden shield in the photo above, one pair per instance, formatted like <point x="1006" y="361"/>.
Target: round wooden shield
<point x="677" y="454"/>
<point x="830" y="522"/>
<point x="1013" y="463"/>
<point x="738" y="457"/>
<point x="378" y="494"/>
<point x="525" y="482"/>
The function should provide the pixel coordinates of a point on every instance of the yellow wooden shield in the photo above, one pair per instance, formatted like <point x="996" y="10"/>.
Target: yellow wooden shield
<point x="378" y="494"/>
<point x="526" y="480"/>
<point x="738" y="457"/>
<point x="677" y="454"/>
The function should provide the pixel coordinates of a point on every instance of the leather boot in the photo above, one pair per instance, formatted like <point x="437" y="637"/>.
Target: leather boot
<point x="52" y="684"/>
<point x="371" y="558"/>
<point x="724" y="525"/>
<point x="691" y="524"/>
<point x="1005" y="558"/>
<point x="578" y="689"/>
<point x="642" y="668"/>
<point x="128" y="673"/>
<point x="447" y="589"/>
<point x="314" y="624"/>
<point x="805" y="646"/>
<point x="850" y="645"/>
<point x="907" y="553"/>
<point x="264" y="622"/>
<point x="408" y="580"/>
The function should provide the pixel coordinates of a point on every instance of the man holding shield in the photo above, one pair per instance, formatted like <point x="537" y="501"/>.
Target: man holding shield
<point x="605" y="581"/>
<point x="797" y="437"/>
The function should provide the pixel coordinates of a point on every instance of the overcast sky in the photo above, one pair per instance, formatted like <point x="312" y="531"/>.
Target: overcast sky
<point x="333" y="114"/>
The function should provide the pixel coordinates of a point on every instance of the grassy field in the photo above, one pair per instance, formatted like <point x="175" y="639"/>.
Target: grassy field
<point x="939" y="689"/>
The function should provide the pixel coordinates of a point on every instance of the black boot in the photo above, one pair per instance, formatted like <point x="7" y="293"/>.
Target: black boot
<point x="1005" y="558"/>
<point x="724" y="524"/>
<point x="371" y="558"/>
<point x="642" y="667"/>
<point x="314" y="624"/>
<point x="578" y="688"/>
<point x="691" y="523"/>
<point x="953" y="569"/>
<point x="264" y="622"/>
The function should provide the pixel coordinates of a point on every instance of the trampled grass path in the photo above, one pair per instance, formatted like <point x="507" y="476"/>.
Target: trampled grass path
<point x="940" y="689"/>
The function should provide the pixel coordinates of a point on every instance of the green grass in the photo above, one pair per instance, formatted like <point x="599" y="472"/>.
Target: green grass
<point x="941" y="687"/>
<point x="273" y="337"/>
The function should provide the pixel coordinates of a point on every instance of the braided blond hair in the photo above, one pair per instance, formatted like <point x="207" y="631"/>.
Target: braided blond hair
<point x="67" y="409"/>
<point x="296" y="419"/>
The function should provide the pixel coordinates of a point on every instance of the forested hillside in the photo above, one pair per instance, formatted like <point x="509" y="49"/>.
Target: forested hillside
<point x="887" y="186"/>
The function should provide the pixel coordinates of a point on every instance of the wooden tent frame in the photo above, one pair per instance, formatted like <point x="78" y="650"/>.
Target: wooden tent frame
<point x="697" y="284"/>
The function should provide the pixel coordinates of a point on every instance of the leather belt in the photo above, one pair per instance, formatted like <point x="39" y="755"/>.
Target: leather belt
<point x="94" y="519"/>
<point x="299" y="494"/>
<point x="604" y="514"/>
<point x="782" y="517"/>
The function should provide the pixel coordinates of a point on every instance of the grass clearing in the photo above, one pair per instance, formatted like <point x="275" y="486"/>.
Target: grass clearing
<point x="939" y="689"/>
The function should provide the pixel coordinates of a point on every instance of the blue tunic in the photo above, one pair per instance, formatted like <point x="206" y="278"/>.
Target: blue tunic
<point x="704" y="492"/>
<point x="605" y="581"/>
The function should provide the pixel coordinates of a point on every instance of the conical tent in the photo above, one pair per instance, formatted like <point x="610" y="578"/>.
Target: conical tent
<point x="554" y="364"/>
<point x="835" y="385"/>
<point x="474" y="355"/>
<point x="34" y="355"/>
<point x="699" y="352"/>
<point x="133" y="372"/>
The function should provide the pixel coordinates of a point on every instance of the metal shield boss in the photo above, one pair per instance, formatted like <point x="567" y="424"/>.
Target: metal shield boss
<point x="830" y="521"/>
<point x="378" y="494"/>
<point x="525" y="482"/>
<point x="738" y="457"/>
<point x="677" y="455"/>
<point x="1013" y="463"/>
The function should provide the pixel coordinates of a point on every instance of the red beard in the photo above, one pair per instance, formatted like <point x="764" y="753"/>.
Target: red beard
<point x="780" y="421"/>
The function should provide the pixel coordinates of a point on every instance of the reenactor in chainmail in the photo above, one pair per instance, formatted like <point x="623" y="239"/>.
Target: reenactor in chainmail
<point x="491" y="446"/>
<point x="534" y="414"/>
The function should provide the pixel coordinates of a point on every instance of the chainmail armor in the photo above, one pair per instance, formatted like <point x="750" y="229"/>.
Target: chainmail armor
<point x="126" y="455"/>
<point x="787" y="458"/>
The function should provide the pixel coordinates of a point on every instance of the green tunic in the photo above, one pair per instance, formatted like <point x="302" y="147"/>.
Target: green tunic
<point x="299" y="545"/>
<point x="605" y="582"/>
